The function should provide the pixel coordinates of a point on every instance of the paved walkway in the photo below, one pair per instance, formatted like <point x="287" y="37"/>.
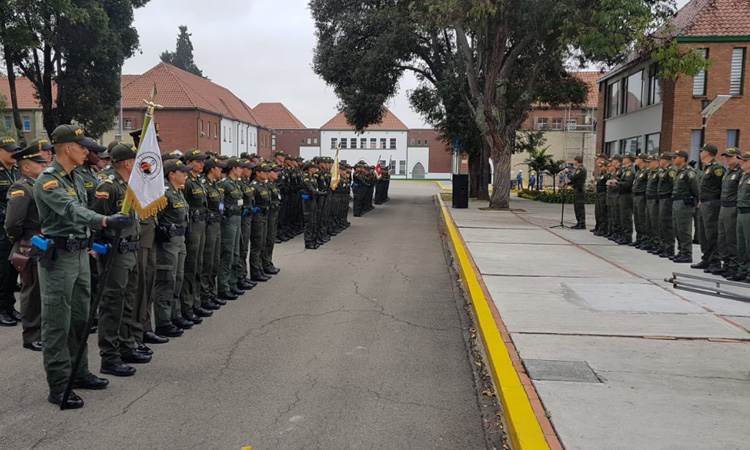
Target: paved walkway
<point x="619" y="359"/>
<point x="357" y="345"/>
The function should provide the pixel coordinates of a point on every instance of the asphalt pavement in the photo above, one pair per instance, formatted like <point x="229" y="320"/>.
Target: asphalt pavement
<point x="356" y="345"/>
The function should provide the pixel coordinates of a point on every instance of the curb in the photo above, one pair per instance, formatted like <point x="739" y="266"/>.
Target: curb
<point x="523" y="426"/>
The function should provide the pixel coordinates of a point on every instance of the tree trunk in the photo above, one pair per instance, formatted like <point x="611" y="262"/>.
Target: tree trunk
<point x="485" y="174"/>
<point x="13" y="96"/>
<point x="474" y="174"/>
<point x="501" y="183"/>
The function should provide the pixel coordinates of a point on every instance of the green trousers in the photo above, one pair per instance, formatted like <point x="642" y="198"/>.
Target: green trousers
<point x="271" y="229"/>
<point x="708" y="231"/>
<point x="211" y="252"/>
<point x="116" y="307"/>
<point x="666" y="237"/>
<point x="195" y="241"/>
<point x="257" y="242"/>
<point x="170" y="265"/>
<point x="682" y="219"/>
<point x="639" y="218"/>
<point x="743" y="243"/>
<point x="652" y="223"/>
<point x="614" y="215"/>
<point x="66" y="296"/>
<point x="230" y="251"/>
<point x="625" y="206"/>
<point x="308" y="211"/>
<point x="30" y="299"/>
<point x="579" y="207"/>
<point x="728" y="237"/>
<point x="141" y="322"/>
<point x="600" y="212"/>
<point x="246" y="228"/>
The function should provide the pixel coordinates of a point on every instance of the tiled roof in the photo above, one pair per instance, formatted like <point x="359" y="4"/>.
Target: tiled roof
<point x="714" y="18"/>
<point x="178" y="89"/>
<point x="25" y="92"/>
<point x="590" y="78"/>
<point x="276" y="116"/>
<point x="390" y="123"/>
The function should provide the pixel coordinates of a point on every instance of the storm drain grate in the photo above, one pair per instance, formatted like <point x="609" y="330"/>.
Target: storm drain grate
<point x="546" y="370"/>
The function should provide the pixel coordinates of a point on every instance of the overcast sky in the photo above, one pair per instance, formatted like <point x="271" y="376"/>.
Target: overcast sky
<point x="259" y="49"/>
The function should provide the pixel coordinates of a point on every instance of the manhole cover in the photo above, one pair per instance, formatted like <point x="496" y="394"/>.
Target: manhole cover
<point x="546" y="370"/>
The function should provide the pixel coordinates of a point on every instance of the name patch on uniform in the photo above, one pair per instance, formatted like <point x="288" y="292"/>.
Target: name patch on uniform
<point x="88" y="184"/>
<point x="4" y="182"/>
<point x="16" y="193"/>
<point x="50" y="185"/>
<point x="178" y="205"/>
<point x="197" y="191"/>
<point x="104" y="195"/>
<point x="70" y="191"/>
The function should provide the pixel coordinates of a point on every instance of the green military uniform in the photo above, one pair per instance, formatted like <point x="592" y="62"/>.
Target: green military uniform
<point x="64" y="271"/>
<point x="743" y="224"/>
<point x="116" y="342"/>
<point x="170" y="254"/>
<point x="195" y="240"/>
<point x="21" y="224"/>
<point x="234" y="208"/>
<point x="600" y="208"/>
<point x="612" y="208"/>
<point x="358" y="188"/>
<point x="625" y="201"/>
<point x="271" y="225"/>
<point x="212" y="248"/>
<point x="246" y="228"/>
<point x="708" y="213"/>
<point x="310" y="193"/>
<point x="89" y="177"/>
<point x="653" y="245"/>
<point x="640" y="205"/>
<point x="727" y="242"/>
<point x="262" y="201"/>
<point x="8" y="176"/>
<point x="578" y="183"/>
<point x="141" y="322"/>
<point x="684" y="194"/>
<point x="666" y="183"/>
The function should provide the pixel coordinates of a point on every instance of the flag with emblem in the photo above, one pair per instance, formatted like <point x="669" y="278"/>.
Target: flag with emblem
<point x="379" y="169"/>
<point x="146" y="186"/>
<point x="335" y="173"/>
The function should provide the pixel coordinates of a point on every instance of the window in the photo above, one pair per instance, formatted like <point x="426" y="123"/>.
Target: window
<point x="224" y="133"/>
<point x="425" y="142"/>
<point x="737" y="77"/>
<point x="334" y="141"/>
<point x="127" y="124"/>
<point x="613" y="99"/>
<point x="557" y="124"/>
<point x="373" y="143"/>
<point x="303" y="141"/>
<point x="541" y="123"/>
<point x="242" y="139"/>
<point x="393" y="143"/>
<point x="26" y="123"/>
<point x="401" y="167"/>
<point x="308" y="141"/>
<point x="609" y="148"/>
<point x="733" y="138"/>
<point x="412" y="141"/>
<point x="201" y="125"/>
<point x="382" y="142"/>
<point x="630" y="145"/>
<point x="419" y="141"/>
<point x="696" y="140"/>
<point x="700" y="81"/>
<point x="315" y="141"/>
<point x="353" y="142"/>
<point x="362" y="142"/>
<point x="343" y="142"/>
<point x="634" y="92"/>
<point x="571" y="124"/>
<point x="230" y="135"/>
<point x="8" y="123"/>
<point x="654" y="86"/>
<point x="652" y="143"/>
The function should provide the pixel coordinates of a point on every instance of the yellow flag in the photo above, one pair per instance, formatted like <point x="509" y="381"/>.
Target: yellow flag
<point x="335" y="175"/>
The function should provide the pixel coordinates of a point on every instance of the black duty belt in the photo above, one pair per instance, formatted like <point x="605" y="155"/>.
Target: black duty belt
<point x="728" y="204"/>
<point x="234" y="212"/>
<point x="198" y="216"/>
<point x="129" y="246"/>
<point x="626" y="193"/>
<point x="639" y="194"/>
<point x="70" y="244"/>
<point x="652" y="197"/>
<point x="681" y="197"/>
<point x="213" y="217"/>
<point x="743" y="209"/>
<point x="665" y="196"/>
<point x="176" y="231"/>
<point x="710" y="199"/>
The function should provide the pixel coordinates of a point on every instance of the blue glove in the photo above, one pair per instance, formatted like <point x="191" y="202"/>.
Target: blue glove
<point x="102" y="249"/>
<point x="40" y="243"/>
<point x="255" y="210"/>
<point x="244" y="211"/>
<point x="305" y="197"/>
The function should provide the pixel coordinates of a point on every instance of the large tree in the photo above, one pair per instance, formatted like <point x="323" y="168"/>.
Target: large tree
<point x="511" y="54"/>
<point x="182" y="57"/>
<point x="72" y="51"/>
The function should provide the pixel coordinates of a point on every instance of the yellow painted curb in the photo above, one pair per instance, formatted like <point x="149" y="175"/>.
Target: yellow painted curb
<point x="523" y="426"/>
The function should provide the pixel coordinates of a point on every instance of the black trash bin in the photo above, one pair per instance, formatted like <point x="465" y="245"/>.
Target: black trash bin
<point x="460" y="190"/>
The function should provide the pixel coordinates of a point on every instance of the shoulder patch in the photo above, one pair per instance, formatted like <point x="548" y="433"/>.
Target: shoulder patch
<point x="52" y="184"/>
<point x="672" y="174"/>
<point x="108" y="181"/>
<point x="18" y="193"/>
<point x="691" y="175"/>
<point x="719" y="172"/>
<point x="100" y="194"/>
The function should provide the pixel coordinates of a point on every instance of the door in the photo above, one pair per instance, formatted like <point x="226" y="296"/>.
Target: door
<point x="417" y="172"/>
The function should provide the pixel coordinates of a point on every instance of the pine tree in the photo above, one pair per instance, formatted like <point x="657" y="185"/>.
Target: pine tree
<point x="182" y="57"/>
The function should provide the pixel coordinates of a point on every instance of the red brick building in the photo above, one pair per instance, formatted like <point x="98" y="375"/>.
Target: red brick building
<point x="640" y="113"/>
<point x="289" y="133"/>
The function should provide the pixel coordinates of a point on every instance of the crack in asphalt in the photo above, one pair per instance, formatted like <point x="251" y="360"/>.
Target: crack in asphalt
<point x="678" y="375"/>
<point x="380" y="397"/>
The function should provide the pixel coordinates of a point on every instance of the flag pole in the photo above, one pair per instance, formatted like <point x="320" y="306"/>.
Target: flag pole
<point x="112" y="253"/>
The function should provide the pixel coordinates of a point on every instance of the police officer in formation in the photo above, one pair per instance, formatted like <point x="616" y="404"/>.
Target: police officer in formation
<point x="212" y="242"/>
<point x="667" y="195"/>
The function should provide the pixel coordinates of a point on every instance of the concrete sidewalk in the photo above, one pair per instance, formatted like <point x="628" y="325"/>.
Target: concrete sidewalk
<point x="618" y="358"/>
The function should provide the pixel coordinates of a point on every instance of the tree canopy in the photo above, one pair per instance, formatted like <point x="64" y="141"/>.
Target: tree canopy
<point x="182" y="57"/>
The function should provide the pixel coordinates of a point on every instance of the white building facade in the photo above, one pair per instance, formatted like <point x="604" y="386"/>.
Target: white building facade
<point x="238" y="137"/>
